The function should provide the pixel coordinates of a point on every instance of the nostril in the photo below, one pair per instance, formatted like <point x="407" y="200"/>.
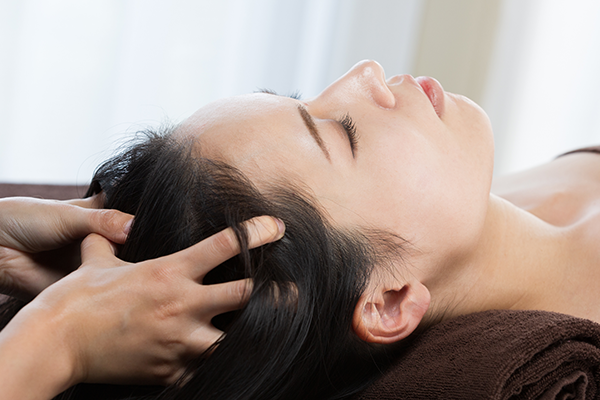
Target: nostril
<point x="365" y="81"/>
<point x="384" y="97"/>
<point x="394" y="80"/>
<point x="372" y="76"/>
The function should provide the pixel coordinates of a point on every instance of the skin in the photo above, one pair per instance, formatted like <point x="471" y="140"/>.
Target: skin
<point x="422" y="174"/>
<point x="435" y="173"/>
<point x="148" y="318"/>
<point x="39" y="239"/>
<point x="425" y="176"/>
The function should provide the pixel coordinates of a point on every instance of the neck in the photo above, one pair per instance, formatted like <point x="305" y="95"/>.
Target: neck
<point x="516" y="264"/>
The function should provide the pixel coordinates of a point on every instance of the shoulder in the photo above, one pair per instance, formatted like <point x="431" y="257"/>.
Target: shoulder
<point x="560" y="192"/>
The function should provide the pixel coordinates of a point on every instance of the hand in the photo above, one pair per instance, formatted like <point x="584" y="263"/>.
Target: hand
<point x="141" y="323"/>
<point x="39" y="239"/>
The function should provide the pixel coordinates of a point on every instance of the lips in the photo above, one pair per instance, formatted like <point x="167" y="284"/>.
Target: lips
<point x="434" y="91"/>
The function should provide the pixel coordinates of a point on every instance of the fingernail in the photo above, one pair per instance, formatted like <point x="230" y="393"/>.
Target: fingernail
<point x="128" y="225"/>
<point x="280" y="228"/>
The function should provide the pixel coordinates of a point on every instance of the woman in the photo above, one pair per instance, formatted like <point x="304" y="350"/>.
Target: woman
<point x="384" y="187"/>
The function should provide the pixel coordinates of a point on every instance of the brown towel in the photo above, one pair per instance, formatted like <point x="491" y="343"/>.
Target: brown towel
<point x="57" y="192"/>
<point x="498" y="355"/>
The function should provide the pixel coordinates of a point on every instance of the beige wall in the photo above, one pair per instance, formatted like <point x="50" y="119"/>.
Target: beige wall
<point x="456" y="43"/>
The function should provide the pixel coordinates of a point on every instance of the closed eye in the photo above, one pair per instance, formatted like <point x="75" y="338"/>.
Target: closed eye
<point x="350" y="128"/>
<point x="346" y="122"/>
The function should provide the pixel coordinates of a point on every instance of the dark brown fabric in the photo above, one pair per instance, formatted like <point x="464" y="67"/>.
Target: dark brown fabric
<point x="57" y="192"/>
<point x="498" y="354"/>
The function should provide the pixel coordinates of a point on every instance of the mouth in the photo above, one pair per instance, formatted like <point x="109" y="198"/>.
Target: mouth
<point x="434" y="91"/>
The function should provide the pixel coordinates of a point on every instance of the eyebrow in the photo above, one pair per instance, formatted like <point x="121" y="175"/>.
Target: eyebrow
<point x="312" y="128"/>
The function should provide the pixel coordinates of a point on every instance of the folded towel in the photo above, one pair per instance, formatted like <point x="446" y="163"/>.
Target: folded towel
<point x="498" y="354"/>
<point x="57" y="192"/>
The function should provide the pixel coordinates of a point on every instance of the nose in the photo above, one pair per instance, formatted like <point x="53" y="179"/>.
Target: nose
<point x="364" y="81"/>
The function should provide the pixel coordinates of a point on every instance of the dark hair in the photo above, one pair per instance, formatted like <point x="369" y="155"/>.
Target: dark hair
<point x="294" y="338"/>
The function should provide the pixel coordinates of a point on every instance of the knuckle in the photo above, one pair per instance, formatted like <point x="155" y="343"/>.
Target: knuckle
<point x="107" y="221"/>
<point x="168" y="298"/>
<point x="238" y="290"/>
<point x="169" y="309"/>
<point x="162" y="275"/>
<point x="167" y="372"/>
<point x="6" y="255"/>
<point x="6" y="280"/>
<point x="225" y="242"/>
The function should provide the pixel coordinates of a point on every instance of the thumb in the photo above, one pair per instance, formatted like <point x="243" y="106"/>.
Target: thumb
<point x="98" y="251"/>
<point x="112" y="224"/>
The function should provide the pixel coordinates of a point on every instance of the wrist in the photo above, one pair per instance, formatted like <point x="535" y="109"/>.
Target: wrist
<point x="35" y="361"/>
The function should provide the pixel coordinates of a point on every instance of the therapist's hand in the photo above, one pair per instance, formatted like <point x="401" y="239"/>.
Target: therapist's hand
<point x="39" y="239"/>
<point x="141" y="323"/>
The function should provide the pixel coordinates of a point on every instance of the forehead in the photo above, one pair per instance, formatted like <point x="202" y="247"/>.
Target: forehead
<point x="257" y="133"/>
<point x="221" y="127"/>
<point x="239" y="108"/>
<point x="246" y="111"/>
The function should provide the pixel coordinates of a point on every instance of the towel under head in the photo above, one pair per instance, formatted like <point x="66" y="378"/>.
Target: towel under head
<point x="497" y="354"/>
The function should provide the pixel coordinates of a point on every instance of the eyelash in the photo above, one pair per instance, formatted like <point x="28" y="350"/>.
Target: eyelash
<point x="348" y="124"/>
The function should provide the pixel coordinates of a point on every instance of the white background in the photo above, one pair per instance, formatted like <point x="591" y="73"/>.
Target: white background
<point x="78" y="76"/>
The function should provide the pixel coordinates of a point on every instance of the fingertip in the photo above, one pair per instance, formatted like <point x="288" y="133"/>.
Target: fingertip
<point x="280" y="228"/>
<point x="265" y="229"/>
<point x="127" y="227"/>
<point x="114" y="224"/>
<point x="124" y="224"/>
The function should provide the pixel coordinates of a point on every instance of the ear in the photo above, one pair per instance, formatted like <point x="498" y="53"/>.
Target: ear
<point x="389" y="315"/>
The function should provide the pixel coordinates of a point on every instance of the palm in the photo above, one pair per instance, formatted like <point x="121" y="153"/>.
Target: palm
<point x="24" y="275"/>
<point x="39" y="239"/>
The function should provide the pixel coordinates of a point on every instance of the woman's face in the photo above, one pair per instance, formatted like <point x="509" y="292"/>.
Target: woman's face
<point x="420" y="168"/>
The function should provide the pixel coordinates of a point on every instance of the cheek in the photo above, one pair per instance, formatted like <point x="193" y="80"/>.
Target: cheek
<point x="471" y="127"/>
<point x="429" y="192"/>
<point x="402" y="198"/>
<point x="476" y="149"/>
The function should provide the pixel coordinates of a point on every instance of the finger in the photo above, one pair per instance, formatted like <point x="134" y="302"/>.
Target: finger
<point x="263" y="230"/>
<point x="224" y="297"/>
<point x="212" y="251"/>
<point x="112" y="224"/>
<point x="95" y="201"/>
<point x="98" y="251"/>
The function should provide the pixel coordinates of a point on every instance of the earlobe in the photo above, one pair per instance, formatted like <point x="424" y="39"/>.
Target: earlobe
<point x="389" y="315"/>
